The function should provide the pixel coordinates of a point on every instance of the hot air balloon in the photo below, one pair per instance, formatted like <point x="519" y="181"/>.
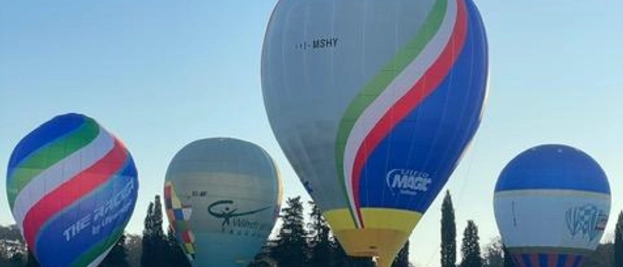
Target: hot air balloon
<point x="373" y="103"/>
<point x="222" y="197"/>
<point x="552" y="204"/>
<point x="72" y="187"/>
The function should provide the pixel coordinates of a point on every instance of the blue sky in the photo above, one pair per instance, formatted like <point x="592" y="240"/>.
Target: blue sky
<point x="161" y="74"/>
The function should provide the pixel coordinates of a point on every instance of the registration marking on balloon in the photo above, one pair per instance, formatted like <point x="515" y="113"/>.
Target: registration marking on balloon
<point x="72" y="188"/>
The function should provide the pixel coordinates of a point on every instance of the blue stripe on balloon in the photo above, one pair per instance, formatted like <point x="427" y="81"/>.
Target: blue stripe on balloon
<point x="543" y="259"/>
<point x="562" y="258"/>
<point x="44" y="135"/>
<point x="526" y="260"/>
<point x="578" y="260"/>
<point x="417" y="143"/>
<point x="51" y="245"/>
<point x="553" y="167"/>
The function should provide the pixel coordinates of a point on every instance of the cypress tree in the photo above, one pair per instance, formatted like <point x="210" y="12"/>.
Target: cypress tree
<point x="448" y="233"/>
<point x="470" y="246"/>
<point x="618" y="241"/>
<point x="154" y="241"/>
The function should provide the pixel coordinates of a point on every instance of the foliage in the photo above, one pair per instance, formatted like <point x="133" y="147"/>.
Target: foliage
<point x="32" y="261"/>
<point x="320" y="242"/>
<point x="175" y="254"/>
<point x="618" y="241"/>
<point x="118" y="255"/>
<point x="448" y="232"/>
<point x="470" y="248"/>
<point x="508" y="258"/>
<point x="493" y="254"/>
<point x="602" y="257"/>
<point x="154" y="243"/>
<point x="402" y="259"/>
<point x="292" y="248"/>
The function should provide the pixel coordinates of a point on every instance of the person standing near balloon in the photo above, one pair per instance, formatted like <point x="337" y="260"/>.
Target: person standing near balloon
<point x="72" y="188"/>
<point x="374" y="103"/>
<point x="552" y="204"/>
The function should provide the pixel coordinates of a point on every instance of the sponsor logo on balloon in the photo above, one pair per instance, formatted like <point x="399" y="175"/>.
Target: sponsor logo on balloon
<point x="586" y="221"/>
<point x="234" y="221"/>
<point x="408" y="182"/>
<point x="105" y="214"/>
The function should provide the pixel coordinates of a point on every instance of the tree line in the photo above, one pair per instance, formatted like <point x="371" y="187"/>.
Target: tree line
<point x="301" y="241"/>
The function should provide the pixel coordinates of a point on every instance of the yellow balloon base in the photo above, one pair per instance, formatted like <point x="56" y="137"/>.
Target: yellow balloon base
<point x="385" y="232"/>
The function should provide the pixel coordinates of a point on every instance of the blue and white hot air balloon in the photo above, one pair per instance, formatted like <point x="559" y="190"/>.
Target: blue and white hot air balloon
<point x="552" y="204"/>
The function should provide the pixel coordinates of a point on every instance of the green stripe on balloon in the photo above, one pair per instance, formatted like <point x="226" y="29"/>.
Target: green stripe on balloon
<point x="88" y="257"/>
<point x="381" y="80"/>
<point x="49" y="155"/>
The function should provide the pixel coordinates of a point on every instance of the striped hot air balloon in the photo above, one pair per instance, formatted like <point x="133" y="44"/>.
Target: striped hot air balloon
<point x="373" y="103"/>
<point x="552" y="204"/>
<point x="72" y="187"/>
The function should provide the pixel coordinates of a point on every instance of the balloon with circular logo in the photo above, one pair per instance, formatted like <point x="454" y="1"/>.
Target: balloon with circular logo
<point x="222" y="197"/>
<point x="552" y="204"/>
<point x="72" y="187"/>
<point x="373" y="103"/>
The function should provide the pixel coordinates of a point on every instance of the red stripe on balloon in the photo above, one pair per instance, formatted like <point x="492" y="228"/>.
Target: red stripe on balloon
<point x="72" y="190"/>
<point x="534" y="259"/>
<point x="519" y="260"/>
<point x="552" y="259"/>
<point x="570" y="260"/>
<point x="420" y="90"/>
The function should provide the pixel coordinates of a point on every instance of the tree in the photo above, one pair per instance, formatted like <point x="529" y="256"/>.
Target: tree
<point x="175" y="254"/>
<point x="448" y="232"/>
<point x="508" y="258"/>
<point x="321" y="247"/>
<point x="32" y="261"/>
<point x="470" y="246"/>
<point x="154" y="241"/>
<point x="618" y="241"/>
<point x="291" y="248"/>
<point x="601" y="257"/>
<point x="494" y="254"/>
<point x="134" y="247"/>
<point x="118" y="255"/>
<point x="402" y="259"/>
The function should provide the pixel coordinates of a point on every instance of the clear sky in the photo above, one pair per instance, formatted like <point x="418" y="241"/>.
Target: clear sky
<point x="160" y="74"/>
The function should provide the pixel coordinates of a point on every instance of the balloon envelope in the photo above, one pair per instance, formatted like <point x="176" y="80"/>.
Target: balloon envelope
<point x="552" y="204"/>
<point x="373" y="103"/>
<point x="72" y="187"/>
<point x="222" y="198"/>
